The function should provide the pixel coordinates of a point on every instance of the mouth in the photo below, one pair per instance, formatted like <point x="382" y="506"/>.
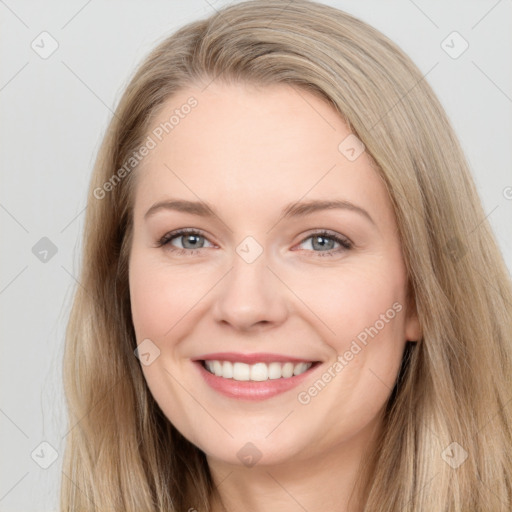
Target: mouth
<point x="253" y="377"/>
<point x="258" y="372"/>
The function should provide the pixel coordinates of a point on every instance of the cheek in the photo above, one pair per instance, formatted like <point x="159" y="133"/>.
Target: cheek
<point x="149" y="304"/>
<point x="364" y="310"/>
<point x="160" y="296"/>
<point x="353" y="301"/>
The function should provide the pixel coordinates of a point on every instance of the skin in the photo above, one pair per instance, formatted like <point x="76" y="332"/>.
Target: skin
<point x="249" y="152"/>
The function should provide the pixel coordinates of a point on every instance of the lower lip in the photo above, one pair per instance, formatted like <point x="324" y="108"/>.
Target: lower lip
<point x="251" y="390"/>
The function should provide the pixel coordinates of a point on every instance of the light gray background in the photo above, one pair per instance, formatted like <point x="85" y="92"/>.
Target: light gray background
<point x="53" y="115"/>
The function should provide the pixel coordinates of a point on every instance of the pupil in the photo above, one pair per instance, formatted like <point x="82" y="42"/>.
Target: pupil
<point x="318" y="241"/>
<point x="192" y="239"/>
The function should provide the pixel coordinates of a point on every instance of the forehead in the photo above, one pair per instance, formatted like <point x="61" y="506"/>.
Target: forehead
<point x="246" y="145"/>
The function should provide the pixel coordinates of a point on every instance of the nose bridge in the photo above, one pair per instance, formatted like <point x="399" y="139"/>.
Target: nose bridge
<point x="250" y="293"/>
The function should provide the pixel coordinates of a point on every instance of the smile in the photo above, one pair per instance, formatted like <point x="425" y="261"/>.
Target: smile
<point x="255" y="372"/>
<point x="253" y="376"/>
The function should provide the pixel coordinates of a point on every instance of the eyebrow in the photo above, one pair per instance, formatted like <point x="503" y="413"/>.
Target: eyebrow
<point x="297" y="209"/>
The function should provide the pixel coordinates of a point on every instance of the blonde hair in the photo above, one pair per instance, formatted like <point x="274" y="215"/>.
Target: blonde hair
<point x="123" y="454"/>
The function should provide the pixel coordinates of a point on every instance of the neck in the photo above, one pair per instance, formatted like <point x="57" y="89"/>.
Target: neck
<point x="332" y="480"/>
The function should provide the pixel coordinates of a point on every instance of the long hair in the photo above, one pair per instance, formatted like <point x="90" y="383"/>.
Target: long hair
<point x="446" y="443"/>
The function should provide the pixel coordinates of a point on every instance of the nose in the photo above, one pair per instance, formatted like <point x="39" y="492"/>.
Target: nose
<point x="251" y="297"/>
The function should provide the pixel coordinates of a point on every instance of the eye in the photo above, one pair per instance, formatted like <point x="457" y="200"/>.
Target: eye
<point x="191" y="241"/>
<point x="325" y="240"/>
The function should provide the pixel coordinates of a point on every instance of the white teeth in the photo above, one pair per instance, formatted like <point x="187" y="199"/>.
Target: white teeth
<point x="255" y="372"/>
<point x="300" y="368"/>
<point x="259" y="371"/>
<point x="217" y="368"/>
<point x="241" y="371"/>
<point x="274" y="371"/>
<point x="287" y="370"/>
<point x="227" y="369"/>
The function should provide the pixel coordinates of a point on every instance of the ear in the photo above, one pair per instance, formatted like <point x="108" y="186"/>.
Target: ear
<point x="412" y="329"/>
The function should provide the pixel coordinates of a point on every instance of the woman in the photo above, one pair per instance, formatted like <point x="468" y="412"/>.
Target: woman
<point x="289" y="298"/>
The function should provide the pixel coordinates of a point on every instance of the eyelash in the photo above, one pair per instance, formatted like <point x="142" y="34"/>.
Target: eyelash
<point x="345" y="243"/>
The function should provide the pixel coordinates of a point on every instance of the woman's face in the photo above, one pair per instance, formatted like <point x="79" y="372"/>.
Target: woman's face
<point x="268" y="282"/>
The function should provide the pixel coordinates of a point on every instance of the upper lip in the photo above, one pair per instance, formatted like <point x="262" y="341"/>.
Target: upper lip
<point x="253" y="358"/>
